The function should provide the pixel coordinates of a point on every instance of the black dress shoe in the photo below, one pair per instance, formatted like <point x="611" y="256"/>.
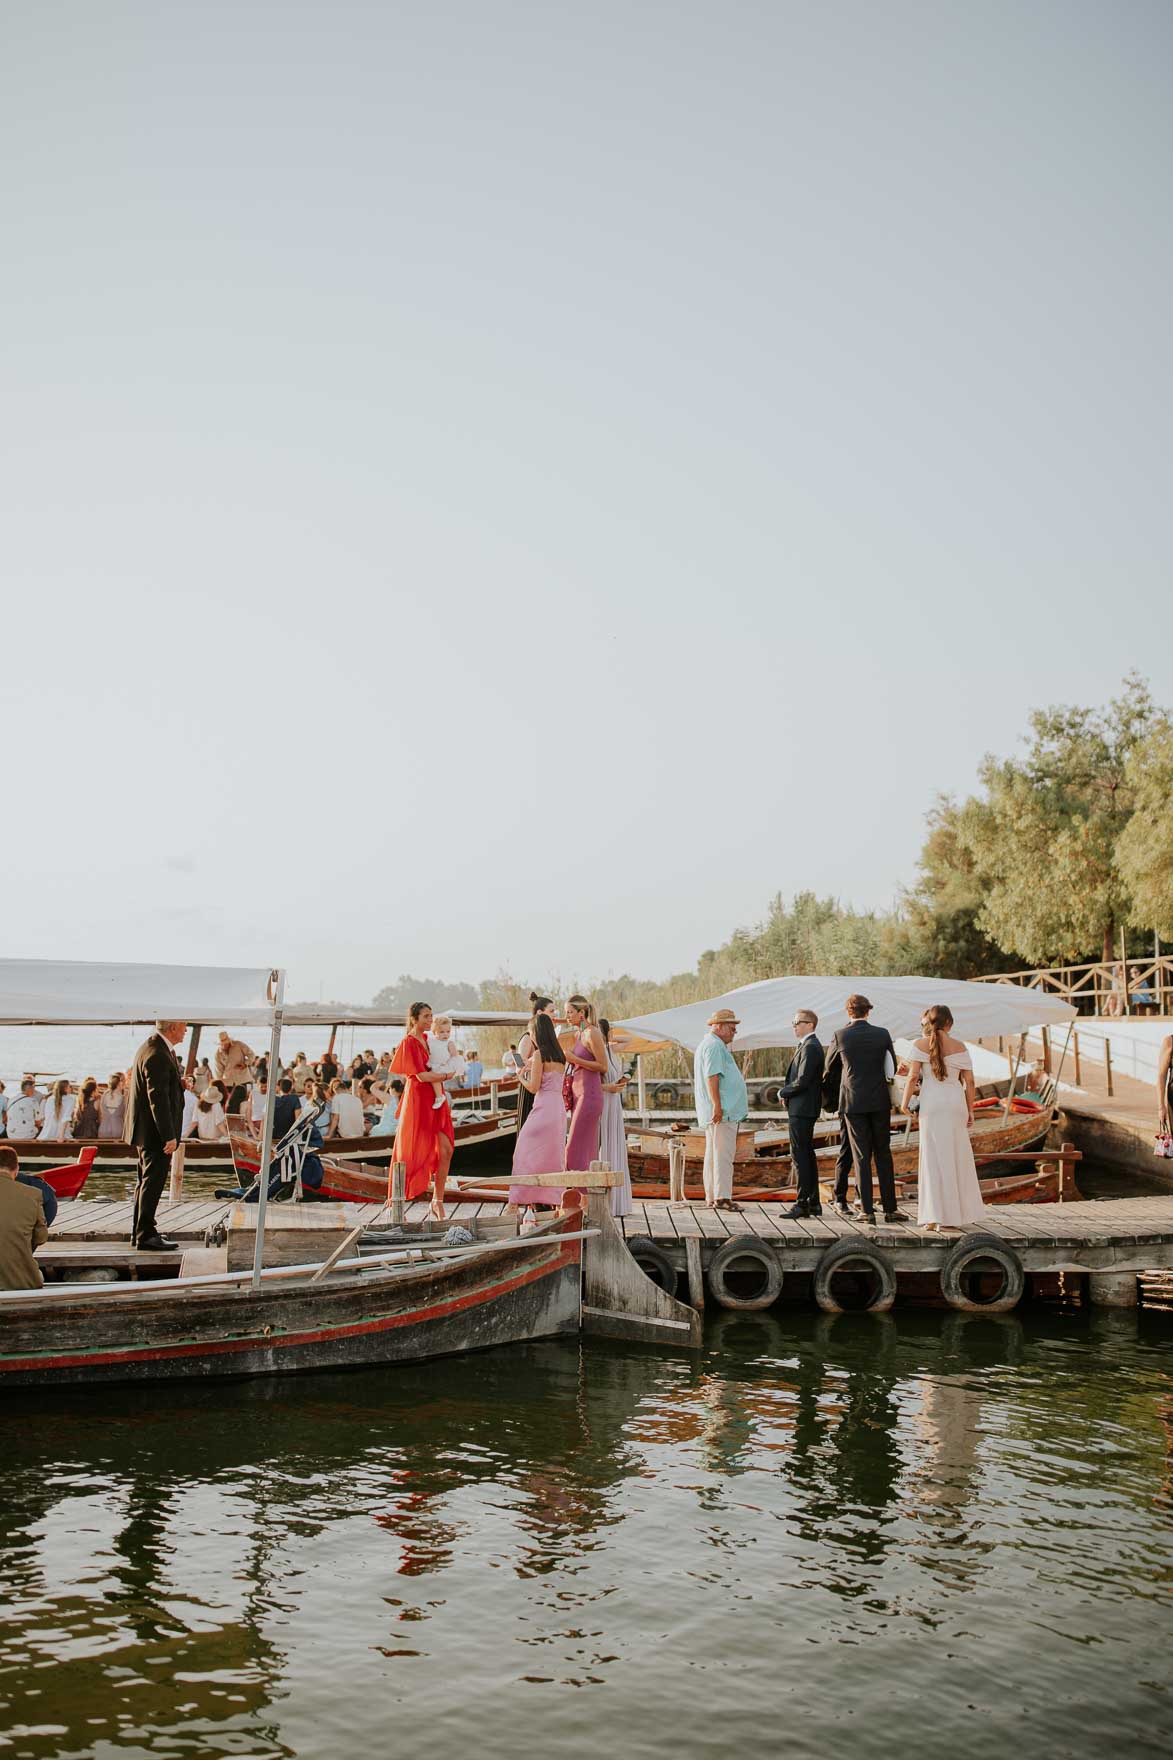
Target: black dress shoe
<point x="814" y="1210"/>
<point x="796" y="1212"/>
<point x="157" y="1243"/>
<point x="895" y="1216"/>
<point x="868" y="1216"/>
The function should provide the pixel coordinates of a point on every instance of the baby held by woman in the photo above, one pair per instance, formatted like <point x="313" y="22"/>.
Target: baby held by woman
<point x="443" y="1055"/>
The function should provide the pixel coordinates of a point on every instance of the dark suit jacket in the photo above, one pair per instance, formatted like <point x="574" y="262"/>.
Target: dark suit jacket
<point x="859" y="1048"/>
<point x="154" y="1100"/>
<point x="803" y="1088"/>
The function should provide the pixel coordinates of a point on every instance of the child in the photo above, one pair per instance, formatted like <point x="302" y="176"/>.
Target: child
<point x="443" y="1055"/>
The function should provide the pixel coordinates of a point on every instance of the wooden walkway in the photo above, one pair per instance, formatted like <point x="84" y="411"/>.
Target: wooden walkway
<point x="1128" y="1233"/>
<point x="90" y="1219"/>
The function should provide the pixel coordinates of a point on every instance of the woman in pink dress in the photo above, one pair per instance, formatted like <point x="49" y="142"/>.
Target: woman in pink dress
<point x="588" y="1060"/>
<point x="540" y="1142"/>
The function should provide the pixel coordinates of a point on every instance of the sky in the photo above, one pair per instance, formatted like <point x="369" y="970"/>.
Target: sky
<point x="513" y="486"/>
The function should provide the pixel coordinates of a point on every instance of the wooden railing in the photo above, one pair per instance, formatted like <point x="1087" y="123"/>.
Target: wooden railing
<point x="1099" y="987"/>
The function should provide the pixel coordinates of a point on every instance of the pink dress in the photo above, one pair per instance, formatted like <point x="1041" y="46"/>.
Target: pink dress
<point x="582" y="1145"/>
<point x="539" y="1146"/>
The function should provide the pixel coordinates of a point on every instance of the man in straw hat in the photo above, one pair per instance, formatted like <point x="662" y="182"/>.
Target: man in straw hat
<point x="721" y="1103"/>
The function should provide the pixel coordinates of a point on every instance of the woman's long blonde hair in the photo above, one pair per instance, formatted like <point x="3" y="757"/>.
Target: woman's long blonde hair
<point x="588" y="1008"/>
<point x="936" y="1022"/>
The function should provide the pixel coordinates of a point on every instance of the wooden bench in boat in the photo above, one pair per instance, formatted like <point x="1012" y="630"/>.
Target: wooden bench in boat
<point x="103" y="1256"/>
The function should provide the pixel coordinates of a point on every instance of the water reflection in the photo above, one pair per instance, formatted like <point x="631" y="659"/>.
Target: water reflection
<point x="217" y="1569"/>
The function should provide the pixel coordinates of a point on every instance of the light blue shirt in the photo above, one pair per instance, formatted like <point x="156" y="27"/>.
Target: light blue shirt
<point x="473" y="1073"/>
<point x="714" y="1058"/>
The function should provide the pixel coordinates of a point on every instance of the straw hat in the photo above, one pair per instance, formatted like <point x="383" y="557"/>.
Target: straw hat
<point x="724" y="1017"/>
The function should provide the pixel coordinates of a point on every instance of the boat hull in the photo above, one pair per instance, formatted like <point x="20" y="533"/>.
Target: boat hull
<point x="361" y="1319"/>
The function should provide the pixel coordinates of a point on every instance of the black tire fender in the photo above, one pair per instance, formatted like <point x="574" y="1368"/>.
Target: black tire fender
<point x="982" y="1246"/>
<point x="741" y="1250"/>
<point x="847" y="1254"/>
<point x="654" y="1262"/>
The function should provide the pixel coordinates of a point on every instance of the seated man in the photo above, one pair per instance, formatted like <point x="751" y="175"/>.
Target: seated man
<point x="474" y="1069"/>
<point x="22" y="1227"/>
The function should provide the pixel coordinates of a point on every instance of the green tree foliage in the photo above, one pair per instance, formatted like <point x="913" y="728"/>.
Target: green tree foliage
<point x="1144" y="850"/>
<point x="406" y="990"/>
<point x="1043" y="837"/>
<point x="940" y="913"/>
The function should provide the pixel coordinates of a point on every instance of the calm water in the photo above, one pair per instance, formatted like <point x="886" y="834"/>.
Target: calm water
<point x="821" y="1537"/>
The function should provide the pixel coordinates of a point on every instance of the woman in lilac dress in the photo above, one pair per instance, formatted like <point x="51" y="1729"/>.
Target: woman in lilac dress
<point x="540" y="1141"/>
<point x="588" y="1060"/>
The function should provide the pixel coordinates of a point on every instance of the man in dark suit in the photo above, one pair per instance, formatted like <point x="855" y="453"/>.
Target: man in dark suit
<point x="865" y="1107"/>
<point x="154" y="1119"/>
<point x="803" y="1093"/>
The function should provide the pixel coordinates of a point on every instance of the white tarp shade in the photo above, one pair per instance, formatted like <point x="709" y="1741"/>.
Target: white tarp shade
<point x="314" y="1014"/>
<point x="88" y="993"/>
<point x="766" y="1009"/>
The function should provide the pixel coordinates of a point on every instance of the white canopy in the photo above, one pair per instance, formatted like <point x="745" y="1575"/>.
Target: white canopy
<point x="766" y="1009"/>
<point x="317" y="1014"/>
<point x="97" y="993"/>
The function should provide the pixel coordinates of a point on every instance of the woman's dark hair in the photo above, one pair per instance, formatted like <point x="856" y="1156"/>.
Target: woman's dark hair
<point x="605" y="1029"/>
<point x="203" y="1104"/>
<point x="414" y="1013"/>
<point x="546" y="1040"/>
<point x="538" y="1003"/>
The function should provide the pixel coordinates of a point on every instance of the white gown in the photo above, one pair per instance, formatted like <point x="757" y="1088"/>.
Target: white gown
<point x="947" y="1190"/>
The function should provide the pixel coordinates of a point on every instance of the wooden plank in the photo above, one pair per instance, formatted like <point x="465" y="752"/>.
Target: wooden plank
<point x="660" y="1223"/>
<point x="696" y="1276"/>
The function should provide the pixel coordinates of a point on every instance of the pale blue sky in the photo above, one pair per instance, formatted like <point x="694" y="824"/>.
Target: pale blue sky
<point x="628" y="457"/>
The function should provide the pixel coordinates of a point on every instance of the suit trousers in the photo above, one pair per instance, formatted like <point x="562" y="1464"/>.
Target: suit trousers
<point x="153" y="1167"/>
<point x="802" y="1156"/>
<point x="870" y="1135"/>
<point x="842" y="1163"/>
<point x="720" y="1143"/>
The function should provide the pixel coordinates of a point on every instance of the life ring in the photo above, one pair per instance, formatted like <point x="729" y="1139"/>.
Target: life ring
<point x="858" y="1257"/>
<point x="654" y="1262"/>
<point x="972" y="1251"/>
<point x="744" y="1274"/>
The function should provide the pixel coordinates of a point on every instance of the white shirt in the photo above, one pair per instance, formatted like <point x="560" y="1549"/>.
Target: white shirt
<point x="259" y="1103"/>
<point x="190" y="1102"/>
<point x="22" y="1118"/>
<point x="208" y="1123"/>
<point x="443" y="1056"/>
<point x="53" y="1123"/>
<point x="347" y="1109"/>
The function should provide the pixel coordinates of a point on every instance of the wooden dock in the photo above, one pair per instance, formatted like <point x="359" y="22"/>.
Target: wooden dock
<point x="95" y="1219"/>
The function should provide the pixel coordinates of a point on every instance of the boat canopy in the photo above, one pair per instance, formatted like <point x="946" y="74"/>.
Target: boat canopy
<point x="766" y="1009"/>
<point x="101" y="993"/>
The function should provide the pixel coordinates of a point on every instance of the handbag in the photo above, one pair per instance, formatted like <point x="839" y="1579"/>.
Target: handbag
<point x="568" y="1088"/>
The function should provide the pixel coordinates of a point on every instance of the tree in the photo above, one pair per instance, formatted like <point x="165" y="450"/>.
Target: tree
<point x="1144" y="850"/>
<point x="1043" y="839"/>
<point x="940" y="914"/>
<point x="399" y="996"/>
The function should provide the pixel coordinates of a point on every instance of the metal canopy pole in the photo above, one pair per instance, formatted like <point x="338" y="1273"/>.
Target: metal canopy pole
<point x="267" y="1130"/>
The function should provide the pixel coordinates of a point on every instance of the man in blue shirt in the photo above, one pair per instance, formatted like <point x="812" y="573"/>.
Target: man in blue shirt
<point x="474" y="1069"/>
<point x="721" y="1103"/>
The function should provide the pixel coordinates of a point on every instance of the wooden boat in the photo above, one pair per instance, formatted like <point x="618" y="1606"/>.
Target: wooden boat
<point x="108" y="1155"/>
<point x="761" y="1162"/>
<point x="403" y="1310"/>
<point x="67" y="1181"/>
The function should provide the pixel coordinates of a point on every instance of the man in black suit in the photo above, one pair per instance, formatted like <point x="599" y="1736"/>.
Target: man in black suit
<point x="803" y="1094"/>
<point x="154" y="1119"/>
<point x="865" y="1107"/>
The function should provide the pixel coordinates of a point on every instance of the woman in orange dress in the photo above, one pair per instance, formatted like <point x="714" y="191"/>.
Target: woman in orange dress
<point x="423" y="1136"/>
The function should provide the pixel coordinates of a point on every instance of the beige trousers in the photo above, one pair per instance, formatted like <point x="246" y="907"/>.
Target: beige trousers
<point x="720" y="1142"/>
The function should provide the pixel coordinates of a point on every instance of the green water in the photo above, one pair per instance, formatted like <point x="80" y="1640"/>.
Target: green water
<point x="917" y="1537"/>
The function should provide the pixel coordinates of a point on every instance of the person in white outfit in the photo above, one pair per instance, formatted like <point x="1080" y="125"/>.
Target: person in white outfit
<point x="58" y="1111"/>
<point x="443" y="1056"/>
<point x="940" y="1069"/>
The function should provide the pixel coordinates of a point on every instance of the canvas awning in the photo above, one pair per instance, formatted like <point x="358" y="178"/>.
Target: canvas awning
<point x="766" y="1009"/>
<point x="100" y="993"/>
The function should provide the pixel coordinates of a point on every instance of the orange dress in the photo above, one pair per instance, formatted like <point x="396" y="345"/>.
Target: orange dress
<point x="421" y="1125"/>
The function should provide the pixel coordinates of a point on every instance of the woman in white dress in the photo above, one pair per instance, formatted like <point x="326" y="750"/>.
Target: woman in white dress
<point x="612" y="1132"/>
<point x="948" y="1194"/>
<point x="58" y="1111"/>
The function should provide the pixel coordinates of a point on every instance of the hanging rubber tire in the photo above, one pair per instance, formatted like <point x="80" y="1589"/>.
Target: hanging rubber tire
<point x="770" y="1096"/>
<point x="744" y="1274"/>
<point x="654" y="1262"/>
<point x="853" y="1277"/>
<point x="971" y="1260"/>
<point x="664" y="1099"/>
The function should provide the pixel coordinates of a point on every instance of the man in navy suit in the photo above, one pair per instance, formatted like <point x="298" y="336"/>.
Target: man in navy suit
<point x="866" y="1057"/>
<point x="802" y="1092"/>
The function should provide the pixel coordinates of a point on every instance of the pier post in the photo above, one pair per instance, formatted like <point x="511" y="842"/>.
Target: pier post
<point x="641" y="1087"/>
<point x="398" y="1193"/>
<point x="492" y="1096"/>
<point x="176" y="1189"/>
<point x="1112" y="1289"/>
<point x="1108" y="1062"/>
<point x="1075" y="1049"/>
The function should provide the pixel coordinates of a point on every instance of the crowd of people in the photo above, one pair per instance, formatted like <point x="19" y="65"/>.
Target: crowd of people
<point x="359" y="1098"/>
